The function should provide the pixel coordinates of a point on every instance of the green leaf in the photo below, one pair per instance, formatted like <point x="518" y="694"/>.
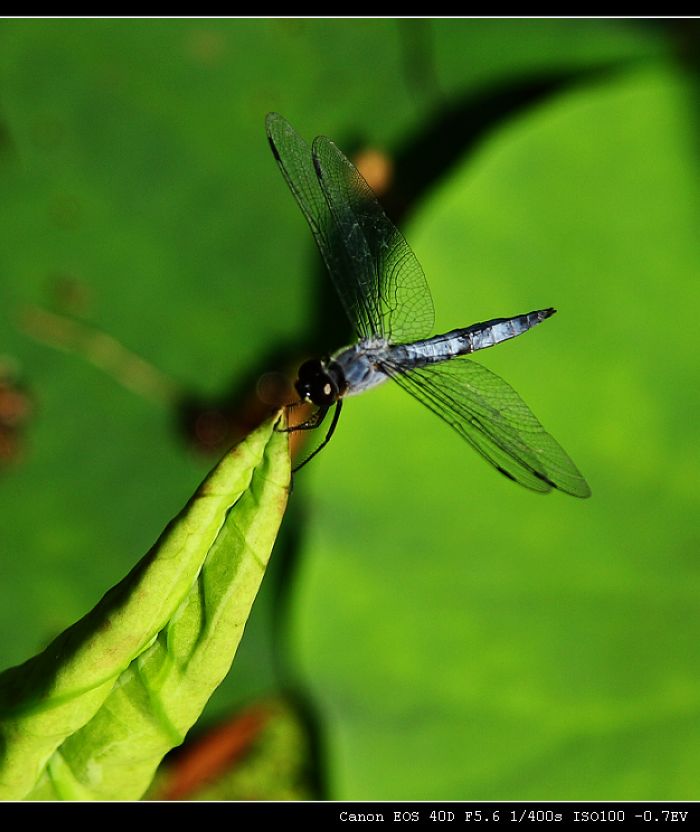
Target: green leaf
<point x="92" y="716"/>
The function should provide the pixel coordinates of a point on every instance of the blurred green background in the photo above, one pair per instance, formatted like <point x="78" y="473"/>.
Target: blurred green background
<point x="432" y="630"/>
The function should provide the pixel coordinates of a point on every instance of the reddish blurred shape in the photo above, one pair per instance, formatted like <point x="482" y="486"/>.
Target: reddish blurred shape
<point x="15" y="410"/>
<point x="213" y="754"/>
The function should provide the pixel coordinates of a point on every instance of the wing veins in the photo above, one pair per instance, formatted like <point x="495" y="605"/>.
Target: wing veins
<point x="515" y="441"/>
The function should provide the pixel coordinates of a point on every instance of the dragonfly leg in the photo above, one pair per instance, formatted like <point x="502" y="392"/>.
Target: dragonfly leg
<point x="312" y="422"/>
<point x="327" y="439"/>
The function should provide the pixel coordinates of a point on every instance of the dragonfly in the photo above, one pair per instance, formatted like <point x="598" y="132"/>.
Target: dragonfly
<point x="386" y="297"/>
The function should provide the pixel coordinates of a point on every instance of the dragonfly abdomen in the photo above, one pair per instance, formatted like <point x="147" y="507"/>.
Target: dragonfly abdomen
<point x="467" y="340"/>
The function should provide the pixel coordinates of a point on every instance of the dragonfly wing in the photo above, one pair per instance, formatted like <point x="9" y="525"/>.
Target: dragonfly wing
<point x="492" y="417"/>
<point x="294" y="158"/>
<point x="393" y="287"/>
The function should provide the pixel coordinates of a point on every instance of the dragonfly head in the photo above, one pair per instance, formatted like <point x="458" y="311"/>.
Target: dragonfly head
<point x="318" y="383"/>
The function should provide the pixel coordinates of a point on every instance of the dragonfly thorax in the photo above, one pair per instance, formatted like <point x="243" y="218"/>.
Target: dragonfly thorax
<point x="320" y="383"/>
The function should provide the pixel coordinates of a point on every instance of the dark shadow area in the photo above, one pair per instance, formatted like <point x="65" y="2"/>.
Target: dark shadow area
<point x="684" y="36"/>
<point x="212" y="425"/>
<point x="284" y="563"/>
<point x="457" y="128"/>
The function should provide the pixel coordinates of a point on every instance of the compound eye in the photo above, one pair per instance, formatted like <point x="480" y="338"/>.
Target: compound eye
<point x="310" y="369"/>
<point x="315" y="384"/>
